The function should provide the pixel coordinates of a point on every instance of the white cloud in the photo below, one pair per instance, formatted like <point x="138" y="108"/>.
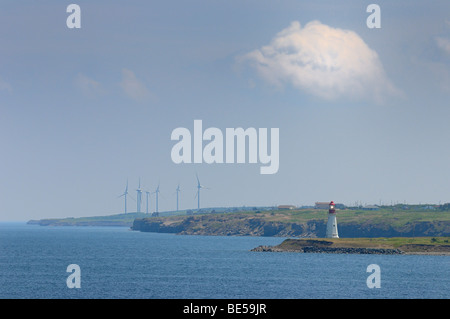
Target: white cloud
<point x="87" y="85"/>
<point x="133" y="87"/>
<point x="323" y="61"/>
<point x="5" y="86"/>
<point x="441" y="67"/>
<point x="443" y="44"/>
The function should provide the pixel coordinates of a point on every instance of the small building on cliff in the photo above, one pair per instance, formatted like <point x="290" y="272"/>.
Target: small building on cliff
<point x="286" y="207"/>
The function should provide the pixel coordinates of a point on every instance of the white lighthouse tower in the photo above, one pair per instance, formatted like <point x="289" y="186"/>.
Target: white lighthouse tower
<point x="332" y="231"/>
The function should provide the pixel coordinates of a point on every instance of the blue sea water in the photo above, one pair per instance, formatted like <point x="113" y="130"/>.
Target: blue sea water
<point x="118" y="263"/>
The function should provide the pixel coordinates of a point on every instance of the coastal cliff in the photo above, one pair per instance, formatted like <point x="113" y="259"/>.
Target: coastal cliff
<point x="301" y="223"/>
<point x="225" y="225"/>
<point x="244" y="224"/>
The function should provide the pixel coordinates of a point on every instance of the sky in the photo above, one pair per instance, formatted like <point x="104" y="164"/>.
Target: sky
<point x="362" y="112"/>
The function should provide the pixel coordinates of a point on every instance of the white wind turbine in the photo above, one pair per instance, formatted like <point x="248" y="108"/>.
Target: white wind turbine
<point x="199" y="187"/>
<point x="147" y="193"/>
<point x="125" y="193"/>
<point x="178" y="190"/>
<point x="157" y="193"/>
<point x="139" y="197"/>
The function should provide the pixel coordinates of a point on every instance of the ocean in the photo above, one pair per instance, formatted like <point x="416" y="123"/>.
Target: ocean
<point x="116" y="263"/>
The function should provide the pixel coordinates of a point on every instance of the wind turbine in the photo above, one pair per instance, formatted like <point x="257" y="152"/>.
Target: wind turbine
<point x="199" y="187"/>
<point x="178" y="190"/>
<point x="156" y="192"/>
<point x="125" y="196"/>
<point x="139" y="197"/>
<point x="147" y="193"/>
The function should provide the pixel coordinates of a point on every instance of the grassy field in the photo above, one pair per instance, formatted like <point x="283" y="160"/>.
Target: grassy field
<point x="117" y="219"/>
<point x="389" y="216"/>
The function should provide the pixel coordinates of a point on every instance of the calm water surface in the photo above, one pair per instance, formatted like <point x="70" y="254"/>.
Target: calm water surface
<point x="118" y="263"/>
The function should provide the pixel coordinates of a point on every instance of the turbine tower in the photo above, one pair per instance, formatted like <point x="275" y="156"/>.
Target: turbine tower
<point x="178" y="190"/>
<point x="139" y="197"/>
<point x="125" y="196"/>
<point x="199" y="187"/>
<point x="332" y="231"/>
<point x="146" y="208"/>
<point x="156" y="192"/>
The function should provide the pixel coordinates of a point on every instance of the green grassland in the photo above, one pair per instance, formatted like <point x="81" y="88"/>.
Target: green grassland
<point x="110" y="220"/>
<point x="388" y="216"/>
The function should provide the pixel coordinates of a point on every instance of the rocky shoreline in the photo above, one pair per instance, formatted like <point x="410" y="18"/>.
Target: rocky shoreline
<point x="331" y="250"/>
<point x="367" y="246"/>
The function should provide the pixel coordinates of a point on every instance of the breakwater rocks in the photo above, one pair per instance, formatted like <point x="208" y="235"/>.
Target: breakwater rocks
<point x="331" y="250"/>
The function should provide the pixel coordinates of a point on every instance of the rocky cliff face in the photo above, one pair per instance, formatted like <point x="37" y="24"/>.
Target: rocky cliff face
<point x="417" y="229"/>
<point x="224" y="226"/>
<point x="249" y="225"/>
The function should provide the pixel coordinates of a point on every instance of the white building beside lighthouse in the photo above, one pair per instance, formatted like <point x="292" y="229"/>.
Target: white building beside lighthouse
<point x="332" y="231"/>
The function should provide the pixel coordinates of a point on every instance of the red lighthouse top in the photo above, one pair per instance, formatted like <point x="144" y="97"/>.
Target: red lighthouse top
<point x="332" y="209"/>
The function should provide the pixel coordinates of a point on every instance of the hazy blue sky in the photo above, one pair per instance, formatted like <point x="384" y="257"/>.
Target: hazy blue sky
<point x="362" y="113"/>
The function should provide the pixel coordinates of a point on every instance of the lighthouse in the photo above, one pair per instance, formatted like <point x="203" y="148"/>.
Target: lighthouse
<point x="332" y="231"/>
